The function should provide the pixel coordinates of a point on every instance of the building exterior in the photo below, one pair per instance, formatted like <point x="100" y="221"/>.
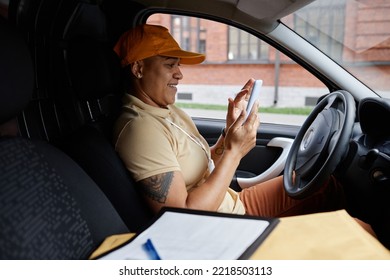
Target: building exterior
<point x="233" y="56"/>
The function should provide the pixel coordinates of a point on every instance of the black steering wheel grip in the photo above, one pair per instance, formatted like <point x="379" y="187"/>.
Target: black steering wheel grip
<point x="320" y="145"/>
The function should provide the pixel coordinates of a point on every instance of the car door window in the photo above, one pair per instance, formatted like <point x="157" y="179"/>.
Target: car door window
<point x="233" y="56"/>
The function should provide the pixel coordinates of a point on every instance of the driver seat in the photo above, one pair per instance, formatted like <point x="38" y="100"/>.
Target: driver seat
<point x="95" y="85"/>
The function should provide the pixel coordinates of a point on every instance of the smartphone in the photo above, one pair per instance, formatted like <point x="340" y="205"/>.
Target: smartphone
<point x="253" y="97"/>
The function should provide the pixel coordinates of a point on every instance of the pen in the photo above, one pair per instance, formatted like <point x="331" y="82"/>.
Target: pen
<point x="151" y="250"/>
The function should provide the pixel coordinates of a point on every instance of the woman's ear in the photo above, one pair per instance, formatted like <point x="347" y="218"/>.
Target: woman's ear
<point x="136" y="69"/>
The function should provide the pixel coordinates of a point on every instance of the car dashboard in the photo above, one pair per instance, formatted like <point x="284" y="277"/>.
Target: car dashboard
<point x="365" y="173"/>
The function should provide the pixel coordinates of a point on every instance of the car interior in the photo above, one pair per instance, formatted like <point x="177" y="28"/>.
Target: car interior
<point x="45" y="214"/>
<point x="63" y="188"/>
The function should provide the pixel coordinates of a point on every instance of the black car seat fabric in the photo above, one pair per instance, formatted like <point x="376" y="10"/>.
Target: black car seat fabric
<point x="13" y="81"/>
<point x="96" y="156"/>
<point x="49" y="207"/>
<point x="95" y="84"/>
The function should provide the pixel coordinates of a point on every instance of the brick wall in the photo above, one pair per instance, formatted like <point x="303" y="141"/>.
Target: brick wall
<point x="367" y="41"/>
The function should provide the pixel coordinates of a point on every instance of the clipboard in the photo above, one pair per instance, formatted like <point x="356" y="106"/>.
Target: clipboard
<point x="184" y="234"/>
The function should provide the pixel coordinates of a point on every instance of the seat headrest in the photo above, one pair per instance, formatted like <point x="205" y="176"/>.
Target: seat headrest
<point x="16" y="72"/>
<point x="94" y="69"/>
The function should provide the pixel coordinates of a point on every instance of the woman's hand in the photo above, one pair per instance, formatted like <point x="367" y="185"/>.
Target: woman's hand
<point x="244" y="135"/>
<point x="238" y="104"/>
<point x="241" y="136"/>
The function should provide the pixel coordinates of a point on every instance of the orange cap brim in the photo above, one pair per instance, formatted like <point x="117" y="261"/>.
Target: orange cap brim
<point x="185" y="56"/>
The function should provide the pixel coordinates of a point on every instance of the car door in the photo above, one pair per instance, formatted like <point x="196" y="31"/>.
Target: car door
<point x="266" y="160"/>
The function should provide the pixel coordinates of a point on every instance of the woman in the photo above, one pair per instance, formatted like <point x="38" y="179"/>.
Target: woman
<point x="162" y="148"/>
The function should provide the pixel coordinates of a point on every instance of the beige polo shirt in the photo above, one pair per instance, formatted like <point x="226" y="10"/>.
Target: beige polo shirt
<point x="153" y="140"/>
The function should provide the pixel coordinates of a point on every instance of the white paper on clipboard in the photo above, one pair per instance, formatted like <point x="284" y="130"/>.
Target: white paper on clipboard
<point x="187" y="236"/>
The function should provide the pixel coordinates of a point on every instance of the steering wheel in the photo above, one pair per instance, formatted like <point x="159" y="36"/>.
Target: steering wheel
<point x="320" y="145"/>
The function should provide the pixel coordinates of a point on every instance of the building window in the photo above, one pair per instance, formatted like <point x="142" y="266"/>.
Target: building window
<point x="245" y="47"/>
<point x="328" y="34"/>
<point x="189" y="33"/>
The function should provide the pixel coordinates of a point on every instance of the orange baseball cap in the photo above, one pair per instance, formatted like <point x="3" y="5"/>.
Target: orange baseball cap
<point x="148" y="40"/>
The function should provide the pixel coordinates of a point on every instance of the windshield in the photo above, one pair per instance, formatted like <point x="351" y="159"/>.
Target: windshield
<point x="355" y="33"/>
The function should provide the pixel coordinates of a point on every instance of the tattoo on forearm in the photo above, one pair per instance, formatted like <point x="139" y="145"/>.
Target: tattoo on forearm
<point x="157" y="187"/>
<point x="219" y="150"/>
